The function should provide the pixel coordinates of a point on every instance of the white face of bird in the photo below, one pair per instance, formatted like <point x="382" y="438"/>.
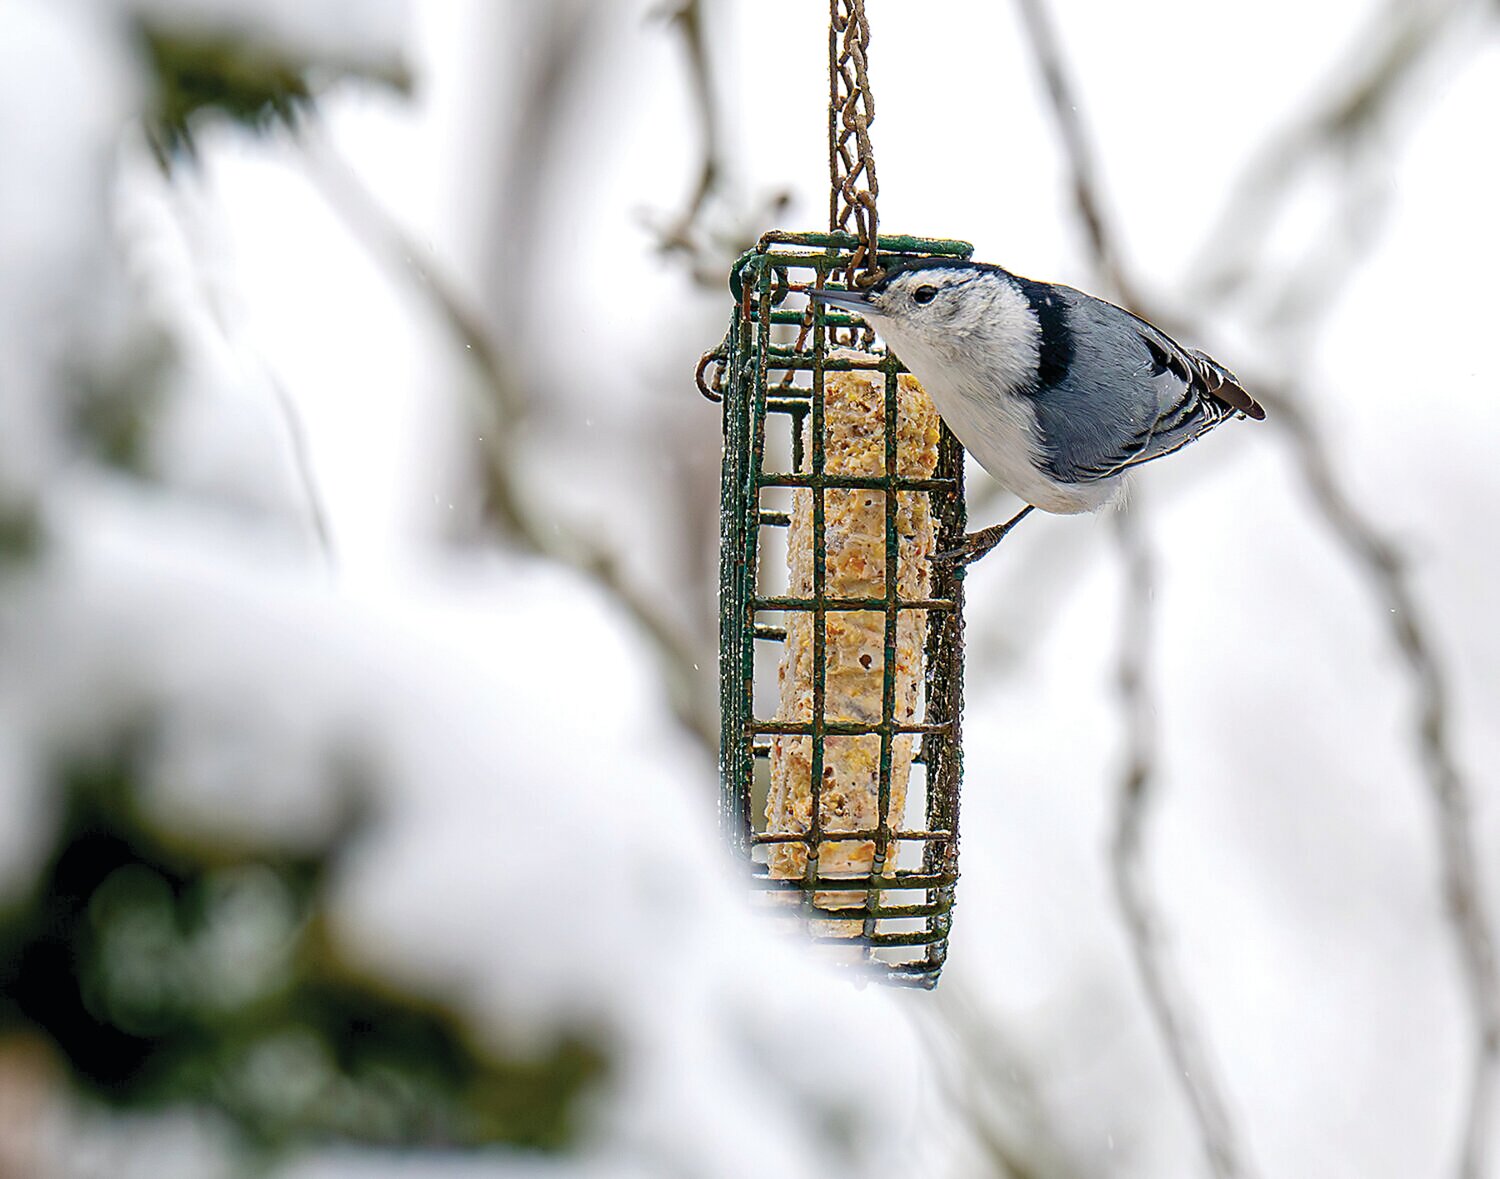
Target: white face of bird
<point x="953" y="317"/>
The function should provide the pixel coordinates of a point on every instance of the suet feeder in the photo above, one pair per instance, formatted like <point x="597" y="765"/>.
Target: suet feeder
<point x="840" y="637"/>
<point x="841" y="642"/>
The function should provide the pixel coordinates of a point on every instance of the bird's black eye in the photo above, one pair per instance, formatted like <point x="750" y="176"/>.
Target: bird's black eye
<point x="924" y="294"/>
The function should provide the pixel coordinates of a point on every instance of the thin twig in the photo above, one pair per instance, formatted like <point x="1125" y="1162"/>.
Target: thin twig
<point x="302" y="464"/>
<point x="503" y="406"/>
<point x="551" y="50"/>
<point x="687" y="18"/>
<point x="1343" y="128"/>
<point x="1396" y="44"/>
<point x="1347" y="130"/>
<point x="1169" y="1004"/>
<point x="1463" y="888"/>
<point x="1077" y="151"/>
<point x="1168" y="1001"/>
<point x="983" y="1077"/>
<point x="286" y="408"/>
<point x="709" y="244"/>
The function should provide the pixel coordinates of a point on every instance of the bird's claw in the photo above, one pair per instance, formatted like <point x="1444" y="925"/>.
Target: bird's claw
<point x="964" y="554"/>
<point x="977" y="544"/>
<point x="974" y="546"/>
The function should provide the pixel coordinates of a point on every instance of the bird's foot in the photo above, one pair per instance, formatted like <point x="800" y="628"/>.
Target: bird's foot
<point x="977" y="544"/>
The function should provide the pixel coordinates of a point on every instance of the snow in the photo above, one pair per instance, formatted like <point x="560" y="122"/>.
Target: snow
<point x="53" y="226"/>
<point x="544" y="869"/>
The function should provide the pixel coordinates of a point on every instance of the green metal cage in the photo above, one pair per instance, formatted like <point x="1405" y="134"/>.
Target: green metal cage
<point x="892" y="918"/>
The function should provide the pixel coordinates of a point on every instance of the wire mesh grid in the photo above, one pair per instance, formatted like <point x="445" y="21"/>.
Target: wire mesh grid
<point x="817" y="785"/>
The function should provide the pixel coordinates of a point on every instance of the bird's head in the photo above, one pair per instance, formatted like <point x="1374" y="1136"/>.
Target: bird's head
<point x="944" y="310"/>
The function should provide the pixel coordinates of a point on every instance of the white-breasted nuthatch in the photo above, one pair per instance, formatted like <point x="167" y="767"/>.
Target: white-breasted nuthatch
<point x="1057" y="394"/>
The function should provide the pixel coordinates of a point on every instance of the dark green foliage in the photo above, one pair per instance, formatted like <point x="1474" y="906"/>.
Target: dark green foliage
<point x="20" y="532"/>
<point x="252" y="83"/>
<point x="113" y="412"/>
<point x="168" y="973"/>
<point x="245" y="82"/>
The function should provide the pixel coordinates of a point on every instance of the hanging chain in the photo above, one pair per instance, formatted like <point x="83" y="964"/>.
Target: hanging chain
<point x="851" y="172"/>
<point x="851" y="157"/>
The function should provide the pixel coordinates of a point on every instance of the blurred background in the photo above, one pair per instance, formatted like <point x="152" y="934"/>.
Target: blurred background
<point x="358" y="525"/>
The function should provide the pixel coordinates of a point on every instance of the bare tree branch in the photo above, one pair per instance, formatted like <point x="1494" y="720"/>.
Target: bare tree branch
<point x="1346" y="131"/>
<point x="987" y="1081"/>
<point x="302" y="464"/>
<point x="1395" y="46"/>
<point x="709" y="244"/>
<point x="286" y="408"/>
<point x="503" y="406"/>
<point x="1170" y="1006"/>
<point x="687" y="18"/>
<point x="1463" y="888"/>
<point x="1403" y="38"/>
<point x="1078" y="154"/>
<point x="553" y="44"/>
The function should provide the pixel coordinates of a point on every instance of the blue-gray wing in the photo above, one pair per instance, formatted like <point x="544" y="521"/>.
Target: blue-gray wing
<point x="1130" y="394"/>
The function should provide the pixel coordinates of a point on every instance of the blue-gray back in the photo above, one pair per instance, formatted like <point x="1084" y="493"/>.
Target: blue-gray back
<point x="1114" y="391"/>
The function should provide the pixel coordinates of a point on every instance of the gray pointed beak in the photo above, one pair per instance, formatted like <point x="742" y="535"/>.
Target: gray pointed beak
<point x="854" y="301"/>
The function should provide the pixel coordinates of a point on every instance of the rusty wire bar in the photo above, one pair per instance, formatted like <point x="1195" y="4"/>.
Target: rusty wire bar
<point x="894" y="918"/>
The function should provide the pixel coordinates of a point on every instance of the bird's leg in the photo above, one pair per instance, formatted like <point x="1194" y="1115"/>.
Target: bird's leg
<point x="976" y="544"/>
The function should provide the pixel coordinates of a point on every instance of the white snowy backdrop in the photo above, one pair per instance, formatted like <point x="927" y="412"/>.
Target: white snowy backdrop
<point x="357" y="523"/>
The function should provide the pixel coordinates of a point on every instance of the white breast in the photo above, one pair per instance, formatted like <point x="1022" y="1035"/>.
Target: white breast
<point x="978" y="402"/>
